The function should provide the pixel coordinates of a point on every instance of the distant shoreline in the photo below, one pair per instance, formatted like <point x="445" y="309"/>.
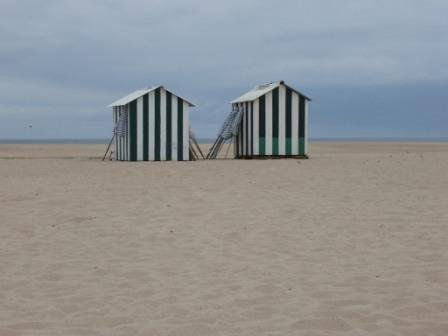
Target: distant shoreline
<point x="209" y="141"/>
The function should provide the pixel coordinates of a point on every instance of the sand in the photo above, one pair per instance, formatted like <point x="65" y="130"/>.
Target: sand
<point x="351" y="242"/>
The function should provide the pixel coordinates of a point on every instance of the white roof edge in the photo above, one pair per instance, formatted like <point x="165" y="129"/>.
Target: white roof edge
<point x="262" y="89"/>
<point x="137" y="94"/>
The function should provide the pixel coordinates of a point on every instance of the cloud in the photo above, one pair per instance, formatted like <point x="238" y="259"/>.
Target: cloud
<point x="74" y="57"/>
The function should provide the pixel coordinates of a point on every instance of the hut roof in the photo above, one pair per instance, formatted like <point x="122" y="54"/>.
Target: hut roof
<point x="260" y="90"/>
<point x="137" y="94"/>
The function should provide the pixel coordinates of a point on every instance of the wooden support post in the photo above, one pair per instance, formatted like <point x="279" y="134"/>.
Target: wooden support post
<point x="110" y="143"/>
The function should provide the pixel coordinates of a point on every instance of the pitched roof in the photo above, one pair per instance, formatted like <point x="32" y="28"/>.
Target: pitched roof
<point x="260" y="90"/>
<point x="137" y="94"/>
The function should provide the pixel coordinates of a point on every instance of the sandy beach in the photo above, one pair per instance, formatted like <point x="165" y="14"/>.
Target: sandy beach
<point x="351" y="242"/>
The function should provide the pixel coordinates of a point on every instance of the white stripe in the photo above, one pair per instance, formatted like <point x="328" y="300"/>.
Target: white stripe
<point x="186" y="132"/>
<point x="117" y="148"/>
<point x="248" y="129"/>
<point x="281" y="119"/>
<point x="174" y="128"/>
<point x="114" y="118"/>
<point x="121" y="138"/>
<point x="268" y="123"/>
<point x="151" y="129"/>
<point x="118" y="138"/>
<point x="255" y="128"/>
<point x="295" y="123"/>
<point x="249" y="106"/>
<point x="125" y="145"/>
<point x="238" y="149"/>
<point x="244" y="130"/>
<point x="128" y="142"/>
<point x="235" y="138"/>
<point x="307" y="125"/>
<point x="162" y="124"/>
<point x="140" y="129"/>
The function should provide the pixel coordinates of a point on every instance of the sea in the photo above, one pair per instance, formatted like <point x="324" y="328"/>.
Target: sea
<point x="209" y="140"/>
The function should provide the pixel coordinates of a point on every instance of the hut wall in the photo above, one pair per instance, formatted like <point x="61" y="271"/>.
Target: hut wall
<point x="121" y="142"/>
<point x="157" y="128"/>
<point x="275" y="124"/>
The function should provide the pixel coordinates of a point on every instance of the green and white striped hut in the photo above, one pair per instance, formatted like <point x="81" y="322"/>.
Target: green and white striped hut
<point x="274" y="122"/>
<point x="152" y="125"/>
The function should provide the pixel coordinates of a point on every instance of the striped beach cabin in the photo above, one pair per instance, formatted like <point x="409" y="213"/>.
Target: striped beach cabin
<point x="274" y="122"/>
<point x="152" y="125"/>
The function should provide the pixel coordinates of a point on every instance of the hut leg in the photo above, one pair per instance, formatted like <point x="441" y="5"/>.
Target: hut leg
<point x="212" y="149"/>
<point x="198" y="147"/>
<point x="193" y="154"/>
<point x="228" y="149"/>
<point x="217" y="148"/>
<point x="108" y="147"/>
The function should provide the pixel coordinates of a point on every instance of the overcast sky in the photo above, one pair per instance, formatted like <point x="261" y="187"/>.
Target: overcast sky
<point x="374" y="68"/>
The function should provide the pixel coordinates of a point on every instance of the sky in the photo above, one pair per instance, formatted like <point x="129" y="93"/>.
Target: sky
<point x="374" y="68"/>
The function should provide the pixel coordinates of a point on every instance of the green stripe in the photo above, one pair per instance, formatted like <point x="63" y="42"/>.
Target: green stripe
<point x="145" y="127"/>
<point x="168" y="125"/>
<point x="301" y="125"/>
<point x="116" y="137"/>
<point x="180" y="128"/>
<point x="288" y="121"/>
<point x="262" y="126"/>
<point x="275" y="123"/>
<point x="246" y="116"/>
<point x="129" y="133"/>
<point x="157" y="125"/>
<point x="242" y="132"/>
<point x="128" y="137"/>
<point x="251" y="128"/>
<point x="133" y="130"/>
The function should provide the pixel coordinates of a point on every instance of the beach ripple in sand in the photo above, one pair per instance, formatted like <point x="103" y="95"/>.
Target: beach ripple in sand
<point x="350" y="242"/>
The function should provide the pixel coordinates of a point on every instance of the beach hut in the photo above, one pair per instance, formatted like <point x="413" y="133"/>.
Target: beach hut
<point x="270" y="120"/>
<point x="152" y="125"/>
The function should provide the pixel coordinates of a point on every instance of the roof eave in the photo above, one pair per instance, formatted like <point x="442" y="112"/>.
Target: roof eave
<point x="114" y="104"/>
<point x="281" y="82"/>
<point x="296" y="91"/>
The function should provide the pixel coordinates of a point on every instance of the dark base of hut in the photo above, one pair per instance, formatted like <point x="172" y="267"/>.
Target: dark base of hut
<point x="272" y="157"/>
